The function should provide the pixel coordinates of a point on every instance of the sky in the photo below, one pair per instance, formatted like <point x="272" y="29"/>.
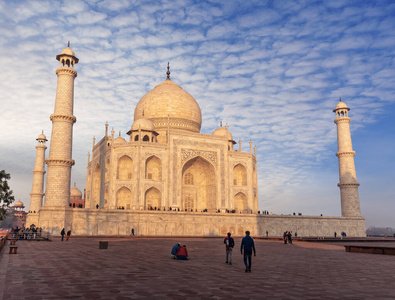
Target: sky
<point x="272" y="70"/>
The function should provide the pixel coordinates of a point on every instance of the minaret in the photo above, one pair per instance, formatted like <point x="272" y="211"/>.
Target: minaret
<point x="57" y="193"/>
<point x="36" y="196"/>
<point x="347" y="176"/>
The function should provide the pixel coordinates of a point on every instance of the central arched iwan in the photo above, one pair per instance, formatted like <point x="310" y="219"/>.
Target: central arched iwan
<point x="199" y="185"/>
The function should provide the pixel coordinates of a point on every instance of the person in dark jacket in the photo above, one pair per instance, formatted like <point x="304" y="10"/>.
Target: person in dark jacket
<point x="182" y="253"/>
<point x="230" y="243"/>
<point x="174" y="250"/>
<point x="247" y="244"/>
<point x="62" y="233"/>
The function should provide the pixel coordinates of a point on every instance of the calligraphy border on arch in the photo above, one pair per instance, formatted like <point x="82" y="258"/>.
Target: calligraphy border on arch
<point x="186" y="154"/>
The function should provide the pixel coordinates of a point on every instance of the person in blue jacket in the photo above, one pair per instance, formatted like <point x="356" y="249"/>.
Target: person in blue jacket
<point x="247" y="244"/>
<point x="174" y="250"/>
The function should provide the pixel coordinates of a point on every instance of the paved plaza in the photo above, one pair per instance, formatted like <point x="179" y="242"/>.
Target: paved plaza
<point x="141" y="268"/>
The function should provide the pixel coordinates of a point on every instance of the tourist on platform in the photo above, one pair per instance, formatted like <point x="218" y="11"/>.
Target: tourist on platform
<point x="132" y="232"/>
<point x="335" y="234"/>
<point x="230" y="243"/>
<point x="182" y="253"/>
<point x="247" y="244"/>
<point x="68" y="235"/>
<point x="174" y="250"/>
<point x="62" y="233"/>
<point x="285" y="237"/>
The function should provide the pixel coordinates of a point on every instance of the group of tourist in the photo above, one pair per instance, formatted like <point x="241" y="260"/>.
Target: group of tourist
<point x="179" y="252"/>
<point x="247" y="247"/>
<point x="21" y="233"/>
<point x="63" y="233"/>
<point x="78" y="206"/>
<point x="287" y="237"/>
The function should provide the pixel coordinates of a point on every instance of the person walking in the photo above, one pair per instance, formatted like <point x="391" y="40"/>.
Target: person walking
<point x="68" y="235"/>
<point x="289" y="237"/>
<point x="230" y="243"/>
<point x="247" y="244"/>
<point x="62" y="233"/>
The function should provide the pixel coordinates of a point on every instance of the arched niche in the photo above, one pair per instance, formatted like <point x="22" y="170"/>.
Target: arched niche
<point x="153" y="199"/>
<point x="153" y="168"/>
<point x="124" y="198"/>
<point x="125" y="168"/>
<point x="239" y="175"/>
<point x="199" y="185"/>
<point x="240" y="202"/>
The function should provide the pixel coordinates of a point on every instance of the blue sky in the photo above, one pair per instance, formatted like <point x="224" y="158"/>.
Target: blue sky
<point x="272" y="70"/>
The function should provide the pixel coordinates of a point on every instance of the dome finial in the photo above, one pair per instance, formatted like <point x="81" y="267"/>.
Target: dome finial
<point x="68" y="44"/>
<point x="340" y="99"/>
<point x="220" y="123"/>
<point x="168" y="70"/>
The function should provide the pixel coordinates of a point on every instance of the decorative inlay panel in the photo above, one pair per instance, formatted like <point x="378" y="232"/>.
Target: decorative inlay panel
<point x="186" y="154"/>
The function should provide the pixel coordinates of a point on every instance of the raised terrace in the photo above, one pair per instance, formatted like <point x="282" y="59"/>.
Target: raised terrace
<point x="141" y="268"/>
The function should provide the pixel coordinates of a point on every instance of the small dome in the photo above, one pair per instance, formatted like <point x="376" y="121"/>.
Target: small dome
<point x="221" y="131"/>
<point x="119" y="140"/>
<point x="67" y="51"/>
<point x="75" y="192"/>
<point x="18" y="204"/>
<point x="143" y="124"/>
<point x="42" y="137"/>
<point x="341" y="105"/>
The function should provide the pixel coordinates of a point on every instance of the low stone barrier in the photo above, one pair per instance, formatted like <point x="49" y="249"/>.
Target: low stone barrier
<point x="370" y="249"/>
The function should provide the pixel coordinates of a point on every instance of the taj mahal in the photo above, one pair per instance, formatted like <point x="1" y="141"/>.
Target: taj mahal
<point x="167" y="178"/>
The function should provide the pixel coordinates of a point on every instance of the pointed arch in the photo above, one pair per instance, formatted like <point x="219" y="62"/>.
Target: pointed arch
<point x="153" y="168"/>
<point x="240" y="202"/>
<point x="153" y="198"/>
<point x="124" y="197"/>
<point x="239" y="175"/>
<point x="199" y="185"/>
<point x="125" y="168"/>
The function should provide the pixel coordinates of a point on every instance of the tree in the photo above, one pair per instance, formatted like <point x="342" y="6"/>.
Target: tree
<point x="6" y="197"/>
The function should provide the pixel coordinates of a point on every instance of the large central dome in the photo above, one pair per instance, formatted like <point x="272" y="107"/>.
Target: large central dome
<point x="169" y="103"/>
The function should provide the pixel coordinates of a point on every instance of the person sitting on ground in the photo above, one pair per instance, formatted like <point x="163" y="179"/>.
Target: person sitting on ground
<point x="182" y="253"/>
<point x="174" y="250"/>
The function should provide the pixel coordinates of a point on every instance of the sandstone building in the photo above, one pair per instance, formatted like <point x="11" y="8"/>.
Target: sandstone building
<point x="168" y="178"/>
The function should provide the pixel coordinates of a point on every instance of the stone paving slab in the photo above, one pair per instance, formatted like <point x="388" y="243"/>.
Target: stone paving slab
<point x="141" y="268"/>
